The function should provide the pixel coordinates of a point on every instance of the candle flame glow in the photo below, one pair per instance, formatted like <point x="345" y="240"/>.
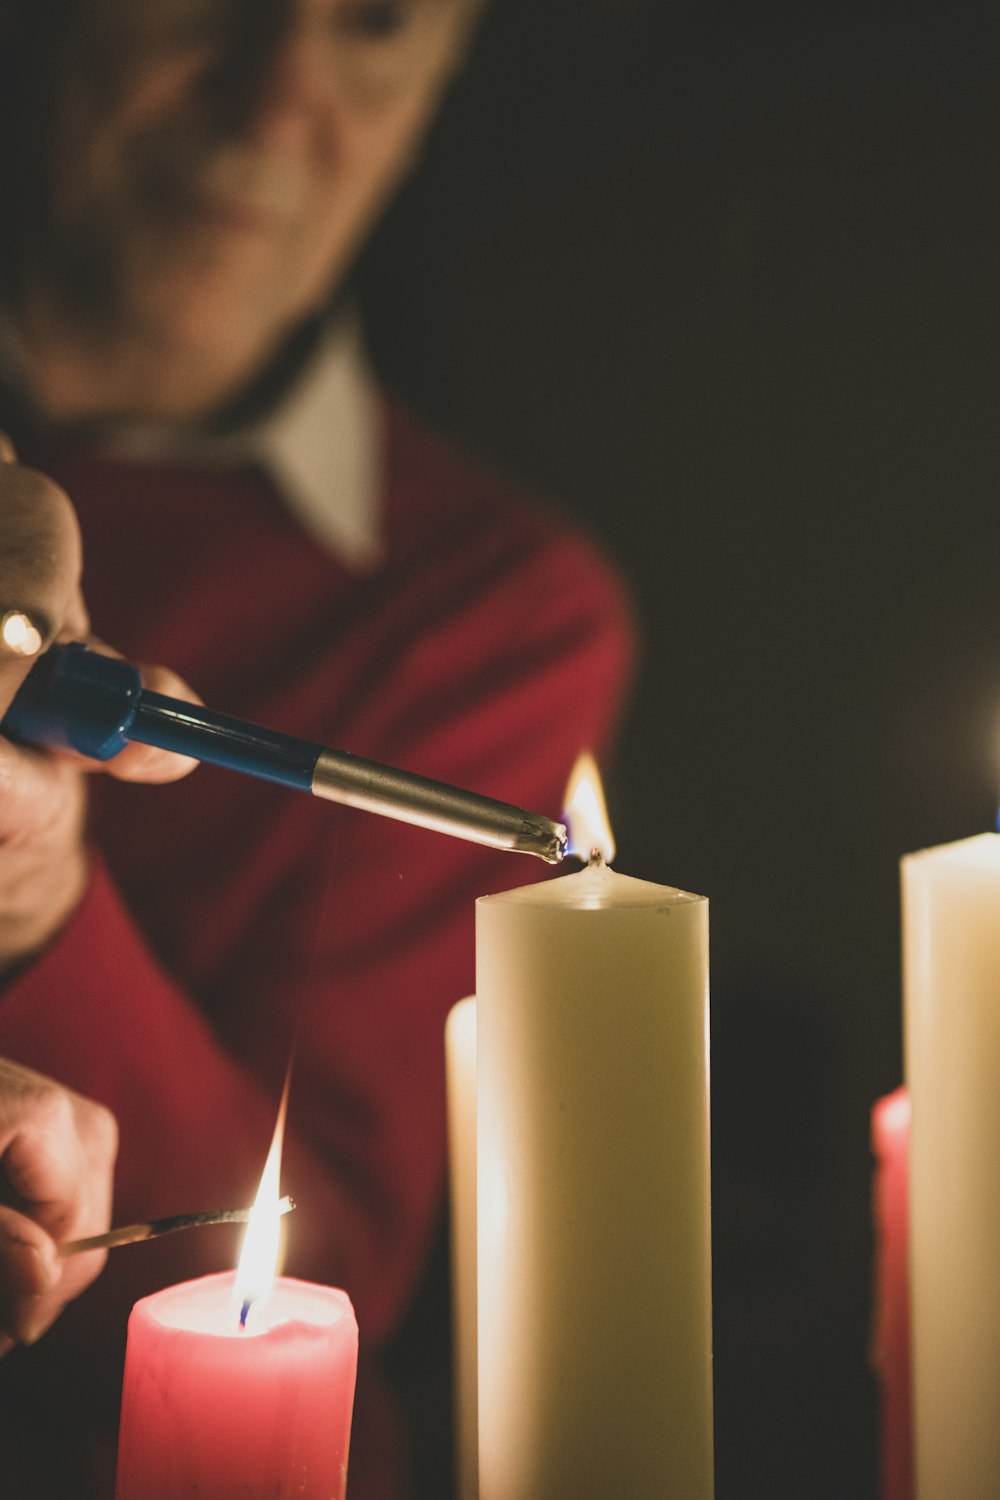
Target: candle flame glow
<point x="586" y="813"/>
<point x="259" y="1257"/>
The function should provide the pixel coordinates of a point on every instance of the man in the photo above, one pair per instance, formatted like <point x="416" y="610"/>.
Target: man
<point x="255" y="513"/>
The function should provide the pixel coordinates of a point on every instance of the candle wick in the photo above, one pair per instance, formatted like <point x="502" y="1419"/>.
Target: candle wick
<point x="243" y="1312"/>
<point x="596" y="861"/>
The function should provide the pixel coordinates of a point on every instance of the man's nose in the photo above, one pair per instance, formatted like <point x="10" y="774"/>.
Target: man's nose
<point x="279" y="78"/>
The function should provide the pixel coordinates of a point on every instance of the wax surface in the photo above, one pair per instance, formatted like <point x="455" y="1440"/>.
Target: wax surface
<point x="951" y="911"/>
<point x="595" y="1373"/>
<point x="211" y="1411"/>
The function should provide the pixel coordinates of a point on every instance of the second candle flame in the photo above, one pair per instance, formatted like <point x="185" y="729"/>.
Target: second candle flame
<point x="259" y="1257"/>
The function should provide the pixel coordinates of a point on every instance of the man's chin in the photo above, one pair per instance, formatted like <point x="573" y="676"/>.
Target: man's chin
<point x="212" y="310"/>
<point x="174" y="328"/>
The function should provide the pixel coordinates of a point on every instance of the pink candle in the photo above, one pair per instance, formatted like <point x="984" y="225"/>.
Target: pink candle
<point x="891" y="1303"/>
<point x="213" y="1410"/>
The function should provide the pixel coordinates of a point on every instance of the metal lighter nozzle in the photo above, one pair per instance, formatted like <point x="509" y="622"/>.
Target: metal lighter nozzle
<point x="96" y="704"/>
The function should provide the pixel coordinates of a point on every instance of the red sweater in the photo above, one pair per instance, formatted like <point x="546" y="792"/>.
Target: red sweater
<point x="490" y="647"/>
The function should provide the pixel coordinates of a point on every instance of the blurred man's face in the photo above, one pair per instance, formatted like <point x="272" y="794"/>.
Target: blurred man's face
<point x="217" y="162"/>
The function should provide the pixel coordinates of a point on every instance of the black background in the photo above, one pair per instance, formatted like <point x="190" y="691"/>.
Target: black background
<point x="723" y="280"/>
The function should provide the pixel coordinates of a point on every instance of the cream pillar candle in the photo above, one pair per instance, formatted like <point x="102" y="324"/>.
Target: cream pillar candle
<point x="951" y="956"/>
<point x="595" y="1364"/>
<point x="460" y="1057"/>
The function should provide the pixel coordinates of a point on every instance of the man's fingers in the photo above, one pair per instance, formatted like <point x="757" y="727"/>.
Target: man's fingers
<point x="42" y="548"/>
<point x="20" y="635"/>
<point x="27" y="1318"/>
<point x="29" y="1262"/>
<point x="24" y="1317"/>
<point x="146" y="762"/>
<point x="57" y="1152"/>
<point x="135" y="762"/>
<point x="31" y="1272"/>
<point x="37" y="791"/>
<point x="55" y="1146"/>
<point x="42" y="1159"/>
<point x="40" y="566"/>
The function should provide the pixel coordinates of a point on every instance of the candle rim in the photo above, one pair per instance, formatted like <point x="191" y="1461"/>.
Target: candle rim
<point x="332" y="1305"/>
<point x="979" y="847"/>
<point x="583" y="891"/>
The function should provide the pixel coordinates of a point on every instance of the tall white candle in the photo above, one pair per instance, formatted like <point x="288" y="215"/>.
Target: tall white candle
<point x="460" y="1056"/>
<point x="951" y="954"/>
<point x="595" y="1368"/>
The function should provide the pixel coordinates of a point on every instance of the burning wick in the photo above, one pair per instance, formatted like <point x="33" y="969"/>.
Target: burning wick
<point x="590" y="837"/>
<point x="261" y="1248"/>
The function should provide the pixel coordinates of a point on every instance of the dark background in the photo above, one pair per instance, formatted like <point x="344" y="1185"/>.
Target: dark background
<point x="722" y="278"/>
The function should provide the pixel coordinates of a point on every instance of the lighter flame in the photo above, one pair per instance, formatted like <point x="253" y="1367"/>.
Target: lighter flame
<point x="19" y="635"/>
<point x="259" y="1257"/>
<point x="586" y="814"/>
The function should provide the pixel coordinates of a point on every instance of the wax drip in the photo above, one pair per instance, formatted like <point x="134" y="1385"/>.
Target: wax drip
<point x="243" y="1312"/>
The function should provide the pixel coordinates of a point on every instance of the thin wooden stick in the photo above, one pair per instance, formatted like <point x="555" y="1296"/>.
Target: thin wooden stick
<point x="132" y="1234"/>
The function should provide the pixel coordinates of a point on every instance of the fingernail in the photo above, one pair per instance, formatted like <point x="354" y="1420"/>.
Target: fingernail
<point x="49" y="1268"/>
<point x="29" y="1270"/>
<point x="42" y="1271"/>
<point x="31" y="1330"/>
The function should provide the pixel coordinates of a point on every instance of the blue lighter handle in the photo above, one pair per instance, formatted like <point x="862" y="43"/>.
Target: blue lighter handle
<point x="75" y="699"/>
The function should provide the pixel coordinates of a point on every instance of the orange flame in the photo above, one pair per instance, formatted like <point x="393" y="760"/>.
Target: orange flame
<point x="586" y="813"/>
<point x="258" y="1264"/>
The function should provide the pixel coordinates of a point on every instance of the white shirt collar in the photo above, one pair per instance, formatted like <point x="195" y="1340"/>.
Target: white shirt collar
<point x="320" y="445"/>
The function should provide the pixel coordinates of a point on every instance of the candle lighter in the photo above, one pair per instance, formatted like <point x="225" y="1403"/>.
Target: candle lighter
<point x="77" y="699"/>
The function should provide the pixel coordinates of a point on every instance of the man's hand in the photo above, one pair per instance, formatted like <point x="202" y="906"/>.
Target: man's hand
<point x="43" y="867"/>
<point x="57" y="1154"/>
